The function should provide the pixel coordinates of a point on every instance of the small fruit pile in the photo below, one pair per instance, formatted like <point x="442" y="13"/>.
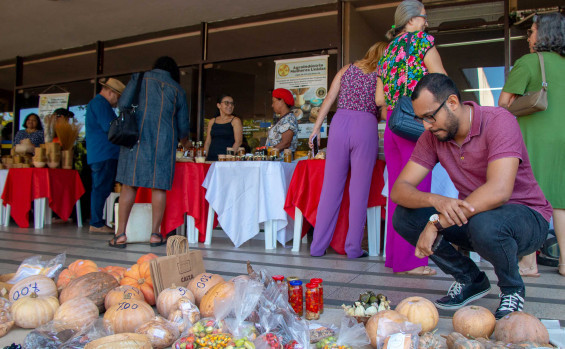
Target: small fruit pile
<point x="368" y="304"/>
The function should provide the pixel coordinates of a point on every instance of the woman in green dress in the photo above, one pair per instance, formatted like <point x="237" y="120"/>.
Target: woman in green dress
<point x="543" y="131"/>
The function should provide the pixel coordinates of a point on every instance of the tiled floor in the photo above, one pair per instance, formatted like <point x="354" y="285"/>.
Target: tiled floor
<point x="343" y="279"/>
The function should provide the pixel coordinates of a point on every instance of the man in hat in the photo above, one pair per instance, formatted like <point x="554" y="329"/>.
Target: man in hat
<point x="101" y="155"/>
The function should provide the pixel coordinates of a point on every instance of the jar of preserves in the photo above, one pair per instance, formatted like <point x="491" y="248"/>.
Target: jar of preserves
<point x="230" y="151"/>
<point x="312" y="301"/>
<point x="287" y="155"/>
<point x="319" y="282"/>
<point x="295" y="296"/>
<point x="241" y="151"/>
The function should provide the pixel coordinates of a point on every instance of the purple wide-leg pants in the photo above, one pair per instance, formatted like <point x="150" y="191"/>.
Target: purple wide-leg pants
<point x="353" y="142"/>
<point x="399" y="253"/>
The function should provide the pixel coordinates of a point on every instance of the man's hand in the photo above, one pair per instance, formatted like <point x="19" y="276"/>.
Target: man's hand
<point x="425" y="242"/>
<point x="451" y="209"/>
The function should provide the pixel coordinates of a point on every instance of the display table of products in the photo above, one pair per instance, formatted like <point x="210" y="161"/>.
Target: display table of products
<point x="304" y="193"/>
<point x="248" y="193"/>
<point x="62" y="189"/>
<point x="187" y="196"/>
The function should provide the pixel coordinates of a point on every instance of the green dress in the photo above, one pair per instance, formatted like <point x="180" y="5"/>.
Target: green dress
<point x="544" y="132"/>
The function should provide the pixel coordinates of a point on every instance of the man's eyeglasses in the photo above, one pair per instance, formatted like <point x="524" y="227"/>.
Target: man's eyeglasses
<point x="228" y="103"/>
<point x="430" y="119"/>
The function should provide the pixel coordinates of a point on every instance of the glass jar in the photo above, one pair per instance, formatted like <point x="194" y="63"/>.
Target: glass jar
<point x="241" y="151"/>
<point x="222" y="157"/>
<point x="287" y="155"/>
<point x="295" y="296"/>
<point x="276" y="152"/>
<point x="319" y="282"/>
<point x="229" y="151"/>
<point x="312" y="301"/>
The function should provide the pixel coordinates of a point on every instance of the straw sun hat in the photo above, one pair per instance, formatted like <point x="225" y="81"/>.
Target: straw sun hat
<point x="114" y="85"/>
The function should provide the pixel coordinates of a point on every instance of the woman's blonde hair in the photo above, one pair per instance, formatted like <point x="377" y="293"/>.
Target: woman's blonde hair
<point x="407" y="10"/>
<point x="369" y="63"/>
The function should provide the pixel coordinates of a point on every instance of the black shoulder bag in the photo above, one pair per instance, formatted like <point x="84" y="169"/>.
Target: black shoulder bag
<point x="123" y="129"/>
<point x="401" y="120"/>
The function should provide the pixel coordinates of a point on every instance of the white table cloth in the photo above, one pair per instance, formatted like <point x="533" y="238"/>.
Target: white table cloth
<point x="245" y="194"/>
<point x="3" y="218"/>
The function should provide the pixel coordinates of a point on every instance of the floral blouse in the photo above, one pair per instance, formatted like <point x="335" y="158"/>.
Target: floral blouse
<point x="287" y="122"/>
<point x="392" y="66"/>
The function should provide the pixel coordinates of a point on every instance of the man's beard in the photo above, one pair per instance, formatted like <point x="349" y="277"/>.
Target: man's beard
<point x="452" y="127"/>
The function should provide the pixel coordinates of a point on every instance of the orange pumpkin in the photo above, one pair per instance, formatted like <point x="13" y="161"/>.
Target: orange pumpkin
<point x="518" y="327"/>
<point x="77" y="313"/>
<point x="118" y="294"/>
<point x="168" y="298"/>
<point x="128" y="314"/>
<point x="139" y="275"/>
<point x="146" y="258"/>
<point x="221" y="291"/>
<point x="76" y="269"/>
<point x="373" y="324"/>
<point x="41" y="285"/>
<point x="203" y="283"/>
<point x="474" y="321"/>
<point x="116" y="272"/>
<point x="419" y="310"/>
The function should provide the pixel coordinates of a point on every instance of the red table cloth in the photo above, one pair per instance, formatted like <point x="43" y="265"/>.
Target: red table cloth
<point x="305" y="190"/>
<point x="61" y="187"/>
<point x="186" y="196"/>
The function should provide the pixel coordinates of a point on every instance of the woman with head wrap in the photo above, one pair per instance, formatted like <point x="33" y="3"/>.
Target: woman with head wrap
<point x="284" y="135"/>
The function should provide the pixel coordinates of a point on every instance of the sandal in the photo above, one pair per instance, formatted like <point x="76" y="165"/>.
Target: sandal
<point x="114" y="241"/>
<point x="425" y="271"/>
<point x="528" y="272"/>
<point x="160" y="243"/>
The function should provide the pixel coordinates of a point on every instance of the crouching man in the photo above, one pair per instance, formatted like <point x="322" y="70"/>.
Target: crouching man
<point x="501" y="212"/>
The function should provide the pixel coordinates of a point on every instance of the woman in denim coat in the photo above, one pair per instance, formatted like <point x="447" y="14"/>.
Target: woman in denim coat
<point x="162" y="118"/>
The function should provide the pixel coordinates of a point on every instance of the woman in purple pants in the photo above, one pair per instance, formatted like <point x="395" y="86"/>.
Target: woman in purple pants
<point x="353" y="143"/>
<point x="402" y="66"/>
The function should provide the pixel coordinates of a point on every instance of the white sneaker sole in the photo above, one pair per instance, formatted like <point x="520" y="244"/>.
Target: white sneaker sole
<point x="461" y="305"/>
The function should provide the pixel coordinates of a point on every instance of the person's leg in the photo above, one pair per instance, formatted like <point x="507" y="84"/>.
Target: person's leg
<point x="103" y="176"/>
<point x="559" y="226"/>
<point x="528" y="266"/>
<point x="335" y="175"/>
<point x="126" y="201"/>
<point x="158" y="204"/>
<point x="400" y="253"/>
<point x="364" y="139"/>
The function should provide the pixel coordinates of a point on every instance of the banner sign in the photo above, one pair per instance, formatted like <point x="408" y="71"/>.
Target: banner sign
<point x="51" y="101"/>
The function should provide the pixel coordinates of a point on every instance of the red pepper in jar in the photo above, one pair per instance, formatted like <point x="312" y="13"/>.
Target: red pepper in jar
<point x="320" y="292"/>
<point x="295" y="296"/>
<point x="312" y="302"/>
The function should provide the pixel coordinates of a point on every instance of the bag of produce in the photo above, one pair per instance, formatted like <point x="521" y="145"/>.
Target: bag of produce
<point x="395" y="335"/>
<point x="184" y="314"/>
<point x="37" y="266"/>
<point x="98" y="329"/>
<point x="351" y="335"/>
<point x="161" y="332"/>
<point x="6" y="321"/>
<point x="319" y="331"/>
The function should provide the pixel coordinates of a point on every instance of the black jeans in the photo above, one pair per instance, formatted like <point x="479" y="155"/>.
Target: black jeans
<point x="103" y="177"/>
<point x="501" y="236"/>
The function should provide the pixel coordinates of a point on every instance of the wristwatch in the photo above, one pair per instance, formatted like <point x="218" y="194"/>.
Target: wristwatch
<point x="434" y="219"/>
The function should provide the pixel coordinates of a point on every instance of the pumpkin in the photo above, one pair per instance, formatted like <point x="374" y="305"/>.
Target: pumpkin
<point x="520" y="327"/>
<point x="146" y="258"/>
<point x="474" y="321"/>
<point x="77" y="313"/>
<point x="76" y="269"/>
<point x="41" y="285"/>
<point x="202" y="283"/>
<point x="118" y="294"/>
<point x="93" y="285"/>
<point x="161" y="332"/>
<point x="419" y="310"/>
<point x="34" y="311"/>
<point x="373" y="324"/>
<point x="220" y="291"/>
<point x="116" y="272"/>
<point x="168" y="298"/>
<point x="139" y="276"/>
<point x="129" y="314"/>
<point x="122" y="341"/>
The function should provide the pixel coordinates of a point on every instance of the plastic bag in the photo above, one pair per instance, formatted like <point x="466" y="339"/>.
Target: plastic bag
<point x="161" y="332"/>
<point x="319" y="331"/>
<point x="206" y="332"/>
<point x="407" y="330"/>
<point x="207" y="326"/>
<point x="184" y="314"/>
<point x="98" y="329"/>
<point x="235" y="310"/>
<point x="37" y="266"/>
<point x="6" y="320"/>
<point x="51" y="335"/>
<point x="351" y="335"/>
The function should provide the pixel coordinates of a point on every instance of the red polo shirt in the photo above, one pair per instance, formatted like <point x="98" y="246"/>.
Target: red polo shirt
<point x="494" y="134"/>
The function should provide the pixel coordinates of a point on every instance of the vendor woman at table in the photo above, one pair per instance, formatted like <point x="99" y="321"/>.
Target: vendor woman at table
<point x="224" y="130"/>
<point x="353" y="143"/>
<point x="33" y="130"/>
<point x="284" y="135"/>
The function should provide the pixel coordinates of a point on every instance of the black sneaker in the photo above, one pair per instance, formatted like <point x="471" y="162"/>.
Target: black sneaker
<point x="509" y="303"/>
<point x="461" y="294"/>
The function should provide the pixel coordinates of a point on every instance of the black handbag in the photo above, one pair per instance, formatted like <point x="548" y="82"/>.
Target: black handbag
<point x="402" y="119"/>
<point x="123" y="129"/>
